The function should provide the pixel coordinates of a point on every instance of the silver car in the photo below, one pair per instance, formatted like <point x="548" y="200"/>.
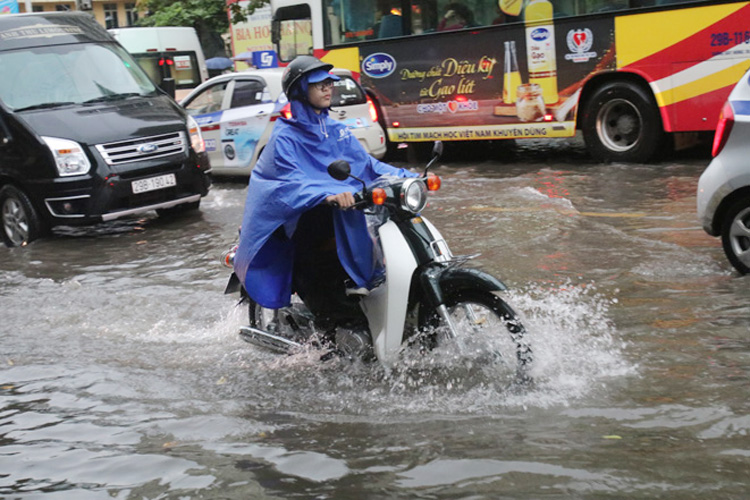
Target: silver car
<point x="237" y="112"/>
<point x="724" y="187"/>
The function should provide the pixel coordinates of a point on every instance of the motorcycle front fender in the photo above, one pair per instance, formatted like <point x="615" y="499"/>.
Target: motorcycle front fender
<point x="461" y="278"/>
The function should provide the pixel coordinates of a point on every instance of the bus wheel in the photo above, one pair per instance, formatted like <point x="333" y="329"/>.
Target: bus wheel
<point x="621" y="123"/>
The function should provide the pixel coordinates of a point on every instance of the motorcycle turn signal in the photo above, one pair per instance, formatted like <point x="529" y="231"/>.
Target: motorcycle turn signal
<point x="379" y="196"/>
<point x="433" y="182"/>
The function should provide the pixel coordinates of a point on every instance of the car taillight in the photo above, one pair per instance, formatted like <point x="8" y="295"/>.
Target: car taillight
<point x="286" y="111"/>
<point x="373" y="110"/>
<point x="723" y="128"/>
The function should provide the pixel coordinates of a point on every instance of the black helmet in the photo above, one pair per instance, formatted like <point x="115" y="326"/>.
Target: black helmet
<point x="299" y="67"/>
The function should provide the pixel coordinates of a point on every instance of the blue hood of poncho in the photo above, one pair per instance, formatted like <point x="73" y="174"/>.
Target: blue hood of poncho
<point x="289" y="179"/>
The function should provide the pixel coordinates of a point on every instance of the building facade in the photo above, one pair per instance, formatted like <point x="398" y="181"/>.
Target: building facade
<point x="108" y="13"/>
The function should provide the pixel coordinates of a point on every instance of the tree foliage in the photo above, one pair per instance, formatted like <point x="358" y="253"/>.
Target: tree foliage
<point x="211" y="14"/>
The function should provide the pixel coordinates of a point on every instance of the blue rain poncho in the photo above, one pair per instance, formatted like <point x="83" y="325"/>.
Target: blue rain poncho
<point x="289" y="179"/>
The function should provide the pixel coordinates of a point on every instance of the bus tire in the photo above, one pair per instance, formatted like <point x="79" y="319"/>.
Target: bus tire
<point x="621" y="123"/>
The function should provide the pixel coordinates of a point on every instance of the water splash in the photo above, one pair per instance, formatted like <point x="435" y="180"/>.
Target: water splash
<point x="575" y="348"/>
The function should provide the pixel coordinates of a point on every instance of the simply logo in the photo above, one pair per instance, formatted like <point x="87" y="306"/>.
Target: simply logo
<point x="579" y="44"/>
<point x="540" y="34"/>
<point x="378" y="65"/>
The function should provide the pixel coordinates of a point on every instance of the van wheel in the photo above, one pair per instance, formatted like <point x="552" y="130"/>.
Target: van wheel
<point x="179" y="209"/>
<point x="621" y="122"/>
<point x="21" y="223"/>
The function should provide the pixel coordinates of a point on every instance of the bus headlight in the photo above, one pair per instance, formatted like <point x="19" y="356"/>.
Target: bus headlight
<point x="70" y="158"/>
<point x="413" y="195"/>
<point x="196" y="138"/>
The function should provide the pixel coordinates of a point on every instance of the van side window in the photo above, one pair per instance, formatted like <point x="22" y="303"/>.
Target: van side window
<point x="247" y="93"/>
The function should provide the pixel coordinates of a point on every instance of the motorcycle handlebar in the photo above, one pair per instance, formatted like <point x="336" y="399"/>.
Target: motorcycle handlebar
<point x="359" y="202"/>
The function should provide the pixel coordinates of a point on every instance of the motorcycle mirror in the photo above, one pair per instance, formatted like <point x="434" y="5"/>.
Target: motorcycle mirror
<point x="340" y="170"/>
<point x="437" y="149"/>
<point x="437" y="152"/>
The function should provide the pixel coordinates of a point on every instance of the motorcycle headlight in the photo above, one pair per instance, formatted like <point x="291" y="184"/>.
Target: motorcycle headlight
<point x="70" y="158"/>
<point x="196" y="138"/>
<point x="413" y="195"/>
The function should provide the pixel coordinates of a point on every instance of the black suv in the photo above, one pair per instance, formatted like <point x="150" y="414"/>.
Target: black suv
<point x="85" y="136"/>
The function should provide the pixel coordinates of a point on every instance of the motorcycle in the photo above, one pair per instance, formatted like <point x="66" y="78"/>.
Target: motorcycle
<point x="428" y="297"/>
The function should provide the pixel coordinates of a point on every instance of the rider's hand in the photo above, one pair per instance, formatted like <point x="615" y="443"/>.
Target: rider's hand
<point x="343" y="200"/>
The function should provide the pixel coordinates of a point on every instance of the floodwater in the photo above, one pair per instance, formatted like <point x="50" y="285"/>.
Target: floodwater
<point x="122" y="374"/>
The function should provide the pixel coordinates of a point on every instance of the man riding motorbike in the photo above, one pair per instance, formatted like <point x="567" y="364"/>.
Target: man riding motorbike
<point x="292" y="240"/>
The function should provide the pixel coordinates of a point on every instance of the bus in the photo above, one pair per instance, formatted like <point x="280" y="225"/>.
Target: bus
<point x="166" y="52"/>
<point x="629" y="74"/>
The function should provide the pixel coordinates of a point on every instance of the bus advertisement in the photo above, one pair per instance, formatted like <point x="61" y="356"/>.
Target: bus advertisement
<point x="626" y="73"/>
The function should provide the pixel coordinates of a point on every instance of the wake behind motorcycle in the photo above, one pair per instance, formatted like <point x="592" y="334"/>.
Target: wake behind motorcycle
<point x="428" y="298"/>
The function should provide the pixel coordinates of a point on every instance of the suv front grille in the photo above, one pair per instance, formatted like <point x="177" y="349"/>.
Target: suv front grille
<point x="143" y="148"/>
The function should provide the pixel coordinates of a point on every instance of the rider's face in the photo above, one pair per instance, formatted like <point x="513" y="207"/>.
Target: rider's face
<point x="319" y="94"/>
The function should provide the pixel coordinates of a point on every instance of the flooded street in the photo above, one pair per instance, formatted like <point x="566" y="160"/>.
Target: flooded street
<point x="122" y="374"/>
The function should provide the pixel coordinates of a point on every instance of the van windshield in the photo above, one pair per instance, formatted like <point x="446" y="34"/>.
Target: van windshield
<point x="46" y="77"/>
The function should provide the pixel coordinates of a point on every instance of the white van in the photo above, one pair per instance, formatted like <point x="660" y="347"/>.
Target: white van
<point x="166" y="52"/>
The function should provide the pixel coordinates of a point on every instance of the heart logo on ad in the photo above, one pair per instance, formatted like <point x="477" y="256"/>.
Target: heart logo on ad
<point x="452" y="106"/>
<point x="580" y="38"/>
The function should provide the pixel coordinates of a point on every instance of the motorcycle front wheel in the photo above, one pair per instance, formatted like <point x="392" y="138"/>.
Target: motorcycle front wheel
<point x="485" y="314"/>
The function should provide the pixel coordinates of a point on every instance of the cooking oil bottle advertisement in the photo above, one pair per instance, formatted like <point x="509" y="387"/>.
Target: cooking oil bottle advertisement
<point x="518" y="80"/>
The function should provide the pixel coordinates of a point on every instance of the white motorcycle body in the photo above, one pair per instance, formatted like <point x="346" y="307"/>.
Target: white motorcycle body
<point x="386" y="306"/>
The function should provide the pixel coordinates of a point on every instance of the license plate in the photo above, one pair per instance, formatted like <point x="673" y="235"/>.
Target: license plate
<point x="153" y="183"/>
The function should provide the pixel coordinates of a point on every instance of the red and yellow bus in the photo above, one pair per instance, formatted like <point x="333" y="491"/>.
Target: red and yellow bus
<point x="628" y="73"/>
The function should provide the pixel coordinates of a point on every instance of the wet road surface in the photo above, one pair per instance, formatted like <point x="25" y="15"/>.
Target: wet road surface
<point x="122" y="375"/>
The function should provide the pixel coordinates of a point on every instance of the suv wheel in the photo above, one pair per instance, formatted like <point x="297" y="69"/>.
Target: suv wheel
<point x="20" y="220"/>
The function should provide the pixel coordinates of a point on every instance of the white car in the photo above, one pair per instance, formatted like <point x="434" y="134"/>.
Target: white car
<point x="724" y="187"/>
<point x="237" y="111"/>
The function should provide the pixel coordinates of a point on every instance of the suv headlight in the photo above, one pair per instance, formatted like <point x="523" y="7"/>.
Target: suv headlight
<point x="196" y="139"/>
<point x="69" y="156"/>
<point x="413" y="195"/>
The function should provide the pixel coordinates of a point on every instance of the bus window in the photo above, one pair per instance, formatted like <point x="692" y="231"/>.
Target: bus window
<point x="354" y="20"/>
<point x="428" y="16"/>
<point x="292" y="31"/>
<point x="605" y="5"/>
<point x="389" y="20"/>
<point x="424" y="16"/>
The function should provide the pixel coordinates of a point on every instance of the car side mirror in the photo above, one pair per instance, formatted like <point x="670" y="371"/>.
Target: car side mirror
<point x="340" y="170"/>
<point x="169" y="87"/>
